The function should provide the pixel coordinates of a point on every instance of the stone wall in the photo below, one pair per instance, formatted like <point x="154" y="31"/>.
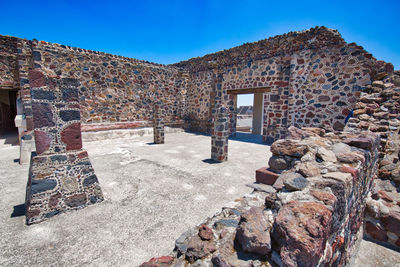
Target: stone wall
<point x="314" y="77"/>
<point x="114" y="88"/>
<point x="8" y="62"/>
<point x="311" y="215"/>
<point x="379" y="111"/>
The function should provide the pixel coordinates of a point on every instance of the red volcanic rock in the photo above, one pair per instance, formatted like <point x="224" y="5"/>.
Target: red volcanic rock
<point x="198" y="249"/>
<point x="391" y="222"/>
<point x="205" y="232"/>
<point x="301" y="230"/>
<point x="253" y="233"/>
<point x="376" y="232"/>
<point x="264" y="176"/>
<point x="42" y="141"/>
<point x="289" y="147"/>
<point x="360" y="142"/>
<point x="158" y="262"/>
<point x="71" y="136"/>
<point x="326" y="197"/>
<point x="36" y="78"/>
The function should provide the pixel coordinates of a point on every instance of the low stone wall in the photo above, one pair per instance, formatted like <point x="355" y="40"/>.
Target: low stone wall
<point x="310" y="216"/>
<point x="379" y="111"/>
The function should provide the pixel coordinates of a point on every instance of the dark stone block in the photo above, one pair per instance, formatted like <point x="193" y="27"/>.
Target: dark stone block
<point x="42" y="115"/>
<point x="51" y="214"/>
<point x="76" y="200"/>
<point x="39" y="186"/>
<point x="90" y="180"/>
<point x="42" y="94"/>
<point x="59" y="158"/>
<point x="70" y="115"/>
<point x="37" y="56"/>
<point x="70" y="94"/>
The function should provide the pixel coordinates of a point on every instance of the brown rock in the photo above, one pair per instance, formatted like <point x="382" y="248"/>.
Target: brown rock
<point x="42" y="141"/>
<point x="71" y="136"/>
<point x="350" y="157"/>
<point x="301" y="230"/>
<point x="278" y="163"/>
<point x="326" y="197"/>
<point x="376" y="232"/>
<point x="265" y="176"/>
<point x="198" y="249"/>
<point x="206" y="232"/>
<point x="36" y="79"/>
<point x="289" y="147"/>
<point x="158" y="262"/>
<point x="309" y="169"/>
<point x="253" y="232"/>
<point x="326" y="155"/>
<point x="391" y="222"/>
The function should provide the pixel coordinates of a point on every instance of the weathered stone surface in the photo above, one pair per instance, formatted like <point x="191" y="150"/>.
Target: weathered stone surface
<point x="326" y="155"/>
<point x="350" y="157"/>
<point x="309" y="169"/>
<point x="294" y="184"/>
<point x="36" y="79"/>
<point x="265" y="176"/>
<point x="70" y="115"/>
<point x="253" y="233"/>
<point x="71" y="136"/>
<point x="43" y="141"/>
<point x="376" y="232"/>
<point x="289" y="148"/>
<point x="39" y="186"/>
<point x="392" y="222"/>
<point x="198" y="249"/>
<point x="206" y="232"/>
<point x="277" y="163"/>
<point x="361" y="142"/>
<point x="42" y="115"/>
<point x="301" y="230"/>
<point x="162" y="261"/>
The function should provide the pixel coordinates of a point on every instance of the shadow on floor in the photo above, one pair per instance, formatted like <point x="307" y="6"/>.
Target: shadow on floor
<point x="10" y="138"/>
<point x="18" y="211"/>
<point x="386" y="245"/>
<point x="210" y="161"/>
<point x="248" y="138"/>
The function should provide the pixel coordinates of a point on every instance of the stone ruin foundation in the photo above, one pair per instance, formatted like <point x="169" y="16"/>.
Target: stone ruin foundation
<point x="61" y="177"/>
<point x="325" y="176"/>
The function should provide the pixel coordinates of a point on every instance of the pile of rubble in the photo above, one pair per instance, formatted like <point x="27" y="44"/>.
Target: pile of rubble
<point x="312" y="214"/>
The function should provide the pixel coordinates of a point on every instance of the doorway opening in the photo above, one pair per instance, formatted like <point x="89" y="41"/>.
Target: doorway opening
<point x="250" y="113"/>
<point x="8" y="111"/>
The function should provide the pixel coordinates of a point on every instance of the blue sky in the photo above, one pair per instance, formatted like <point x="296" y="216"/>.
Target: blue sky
<point x="171" y="31"/>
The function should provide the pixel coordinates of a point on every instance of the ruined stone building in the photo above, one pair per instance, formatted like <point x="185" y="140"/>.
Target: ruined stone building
<point x="309" y="79"/>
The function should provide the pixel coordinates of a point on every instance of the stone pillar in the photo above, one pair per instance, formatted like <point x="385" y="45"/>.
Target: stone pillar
<point x="61" y="176"/>
<point x="158" y="124"/>
<point x="220" y="134"/>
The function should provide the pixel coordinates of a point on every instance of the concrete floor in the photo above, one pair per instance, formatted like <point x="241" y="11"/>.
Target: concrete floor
<point x="153" y="194"/>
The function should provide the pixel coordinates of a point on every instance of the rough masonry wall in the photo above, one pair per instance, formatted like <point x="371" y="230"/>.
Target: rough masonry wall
<point x="310" y="216"/>
<point x="314" y="78"/>
<point x="8" y="62"/>
<point x="61" y="176"/>
<point x="378" y="111"/>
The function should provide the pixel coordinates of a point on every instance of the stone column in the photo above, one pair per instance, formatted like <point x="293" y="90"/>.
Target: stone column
<point x="158" y="124"/>
<point x="220" y="134"/>
<point x="61" y="176"/>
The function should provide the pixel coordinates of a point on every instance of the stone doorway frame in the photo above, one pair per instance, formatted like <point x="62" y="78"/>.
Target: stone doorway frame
<point x="258" y="106"/>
